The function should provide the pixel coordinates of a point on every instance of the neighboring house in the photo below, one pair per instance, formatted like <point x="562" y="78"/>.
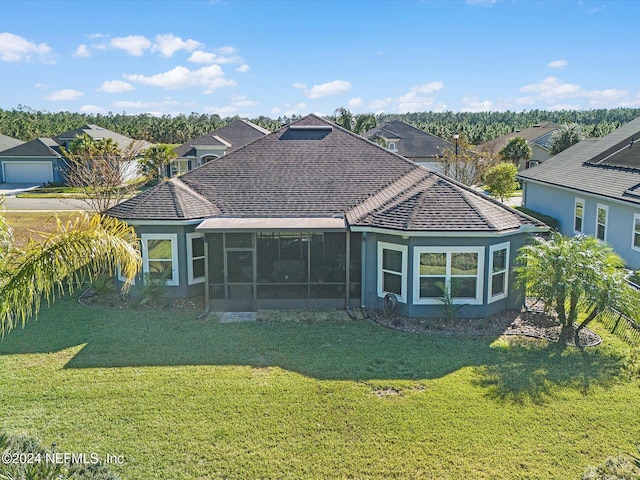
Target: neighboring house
<point x="314" y="215"/>
<point x="411" y="142"/>
<point x="42" y="161"/>
<point x="593" y="188"/>
<point x="224" y="140"/>
<point x="8" y="142"/>
<point x="538" y="137"/>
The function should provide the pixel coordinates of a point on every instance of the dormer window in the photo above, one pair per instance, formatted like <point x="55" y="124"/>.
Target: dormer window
<point x="391" y="146"/>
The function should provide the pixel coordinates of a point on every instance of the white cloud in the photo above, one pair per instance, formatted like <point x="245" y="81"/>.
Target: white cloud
<point x="14" y="48"/>
<point x="299" y="85"/>
<point x="202" y="57"/>
<point x="93" y="109"/>
<point x="380" y="103"/>
<point x="244" y="68"/>
<point x="144" y="105"/>
<point x="133" y="44"/>
<point x="329" y="88"/>
<point x="82" y="51"/>
<point x="486" y="3"/>
<point x="115" y="86"/>
<point x="168" y="44"/>
<point x="62" y="95"/>
<point x="558" y="64"/>
<point x="417" y="99"/>
<point x="428" y="88"/>
<point x="553" y="91"/>
<point x="472" y="104"/>
<point x="41" y="85"/>
<point x="354" y="102"/>
<point x="210" y="77"/>
<point x="228" y="50"/>
<point x="551" y="87"/>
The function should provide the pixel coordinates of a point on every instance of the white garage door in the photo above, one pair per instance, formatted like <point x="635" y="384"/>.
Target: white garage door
<point x="27" y="172"/>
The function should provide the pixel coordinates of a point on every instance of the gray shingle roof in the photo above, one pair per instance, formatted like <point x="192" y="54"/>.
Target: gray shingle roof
<point x="414" y="143"/>
<point x="314" y="168"/>
<point x="238" y="133"/>
<point x="428" y="201"/>
<point x="581" y="168"/>
<point x="8" y="142"/>
<point x="171" y="200"/>
<point x="40" y="147"/>
<point x="530" y="134"/>
<point x="96" y="132"/>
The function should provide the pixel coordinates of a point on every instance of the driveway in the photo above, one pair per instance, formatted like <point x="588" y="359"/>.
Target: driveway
<point x="11" y="202"/>
<point x="58" y="204"/>
<point x="10" y="189"/>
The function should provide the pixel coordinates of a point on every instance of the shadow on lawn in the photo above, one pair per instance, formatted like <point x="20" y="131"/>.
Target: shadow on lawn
<point x="525" y="372"/>
<point x="337" y="350"/>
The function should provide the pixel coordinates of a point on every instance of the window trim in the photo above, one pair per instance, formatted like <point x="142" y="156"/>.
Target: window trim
<point x="577" y="201"/>
<point x="173" y="237"/>
<point x="636" y="216"/>
<point x="404" y="250"/>
<point x="121" y="278"/>
<point x="478" y="300"/>
<point x="392" y="147"/>
<point x="494" y="248"/>
<point x="599" y="207"/>
<point x="190" y="258"/>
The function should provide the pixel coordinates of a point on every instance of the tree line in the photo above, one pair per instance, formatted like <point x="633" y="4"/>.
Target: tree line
<point x="26" y="123"/>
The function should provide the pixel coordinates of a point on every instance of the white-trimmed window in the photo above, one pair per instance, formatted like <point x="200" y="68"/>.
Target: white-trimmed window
<point x="392" y="270"/>
<point x="160" y="256"/>
<point x="635" y="241"/>
<point x="195" y="258"/>
<point x="602" y="213"/>
<point x="179" y="166"/>
<point x="457" y="270"/>
<point x="578" y="215"/>
<point x="391" y="146"/>
<point x="499" y="271"/>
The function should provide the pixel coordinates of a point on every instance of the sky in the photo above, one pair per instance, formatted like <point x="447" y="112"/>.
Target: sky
<point x="294" y="57"/>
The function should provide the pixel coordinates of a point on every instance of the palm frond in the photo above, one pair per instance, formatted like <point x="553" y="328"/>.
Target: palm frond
<point x="75" y="252"/>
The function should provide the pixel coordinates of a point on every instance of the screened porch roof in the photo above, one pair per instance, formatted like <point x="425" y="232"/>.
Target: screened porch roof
<point x="262" y="224"/>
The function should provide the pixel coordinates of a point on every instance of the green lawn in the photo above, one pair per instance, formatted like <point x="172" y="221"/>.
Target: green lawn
<point x="327" y="397"/>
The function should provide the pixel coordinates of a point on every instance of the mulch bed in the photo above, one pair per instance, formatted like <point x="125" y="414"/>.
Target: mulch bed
<point x="530" y="322"/>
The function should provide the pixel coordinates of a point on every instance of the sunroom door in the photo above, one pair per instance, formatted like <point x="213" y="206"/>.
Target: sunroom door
<point x="241" y="279"/>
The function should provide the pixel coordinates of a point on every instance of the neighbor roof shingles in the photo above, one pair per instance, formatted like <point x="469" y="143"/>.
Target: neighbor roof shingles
<point x="237" y="134"/>
<point x="570" y="168"/>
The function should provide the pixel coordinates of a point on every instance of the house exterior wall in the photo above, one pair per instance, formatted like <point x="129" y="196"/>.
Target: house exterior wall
<point x="372" y="298"/>
<point x="182" y="288"/>
<point x="560" y="204"/>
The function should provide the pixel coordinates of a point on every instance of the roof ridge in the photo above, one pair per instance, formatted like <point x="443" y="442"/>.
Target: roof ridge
<point x="179" y="185"/>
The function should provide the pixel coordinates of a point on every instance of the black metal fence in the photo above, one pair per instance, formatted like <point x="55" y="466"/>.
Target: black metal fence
<point x="621" y="325"/>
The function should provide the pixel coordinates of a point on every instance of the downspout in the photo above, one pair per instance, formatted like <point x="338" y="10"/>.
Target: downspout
<point x="363" y="271"/>
<point x="347" y="298"/>
<point x="206" y="274"/>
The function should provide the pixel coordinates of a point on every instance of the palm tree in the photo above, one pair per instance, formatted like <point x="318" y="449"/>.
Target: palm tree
<point x="76" y="251"/>
<point x="516" y="150"/>
<point x="567" y="135"/>
<point x="155" y="161"/>
<point x="575" y="274"/>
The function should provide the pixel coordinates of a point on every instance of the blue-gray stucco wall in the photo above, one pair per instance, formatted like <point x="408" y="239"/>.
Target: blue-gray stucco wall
<point x="560" y="203"/>
<point x="183" y="289"/>
<point x="371" y="299"/>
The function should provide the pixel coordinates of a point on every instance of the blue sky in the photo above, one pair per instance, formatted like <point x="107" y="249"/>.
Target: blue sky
<point x="275" y="58"/>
